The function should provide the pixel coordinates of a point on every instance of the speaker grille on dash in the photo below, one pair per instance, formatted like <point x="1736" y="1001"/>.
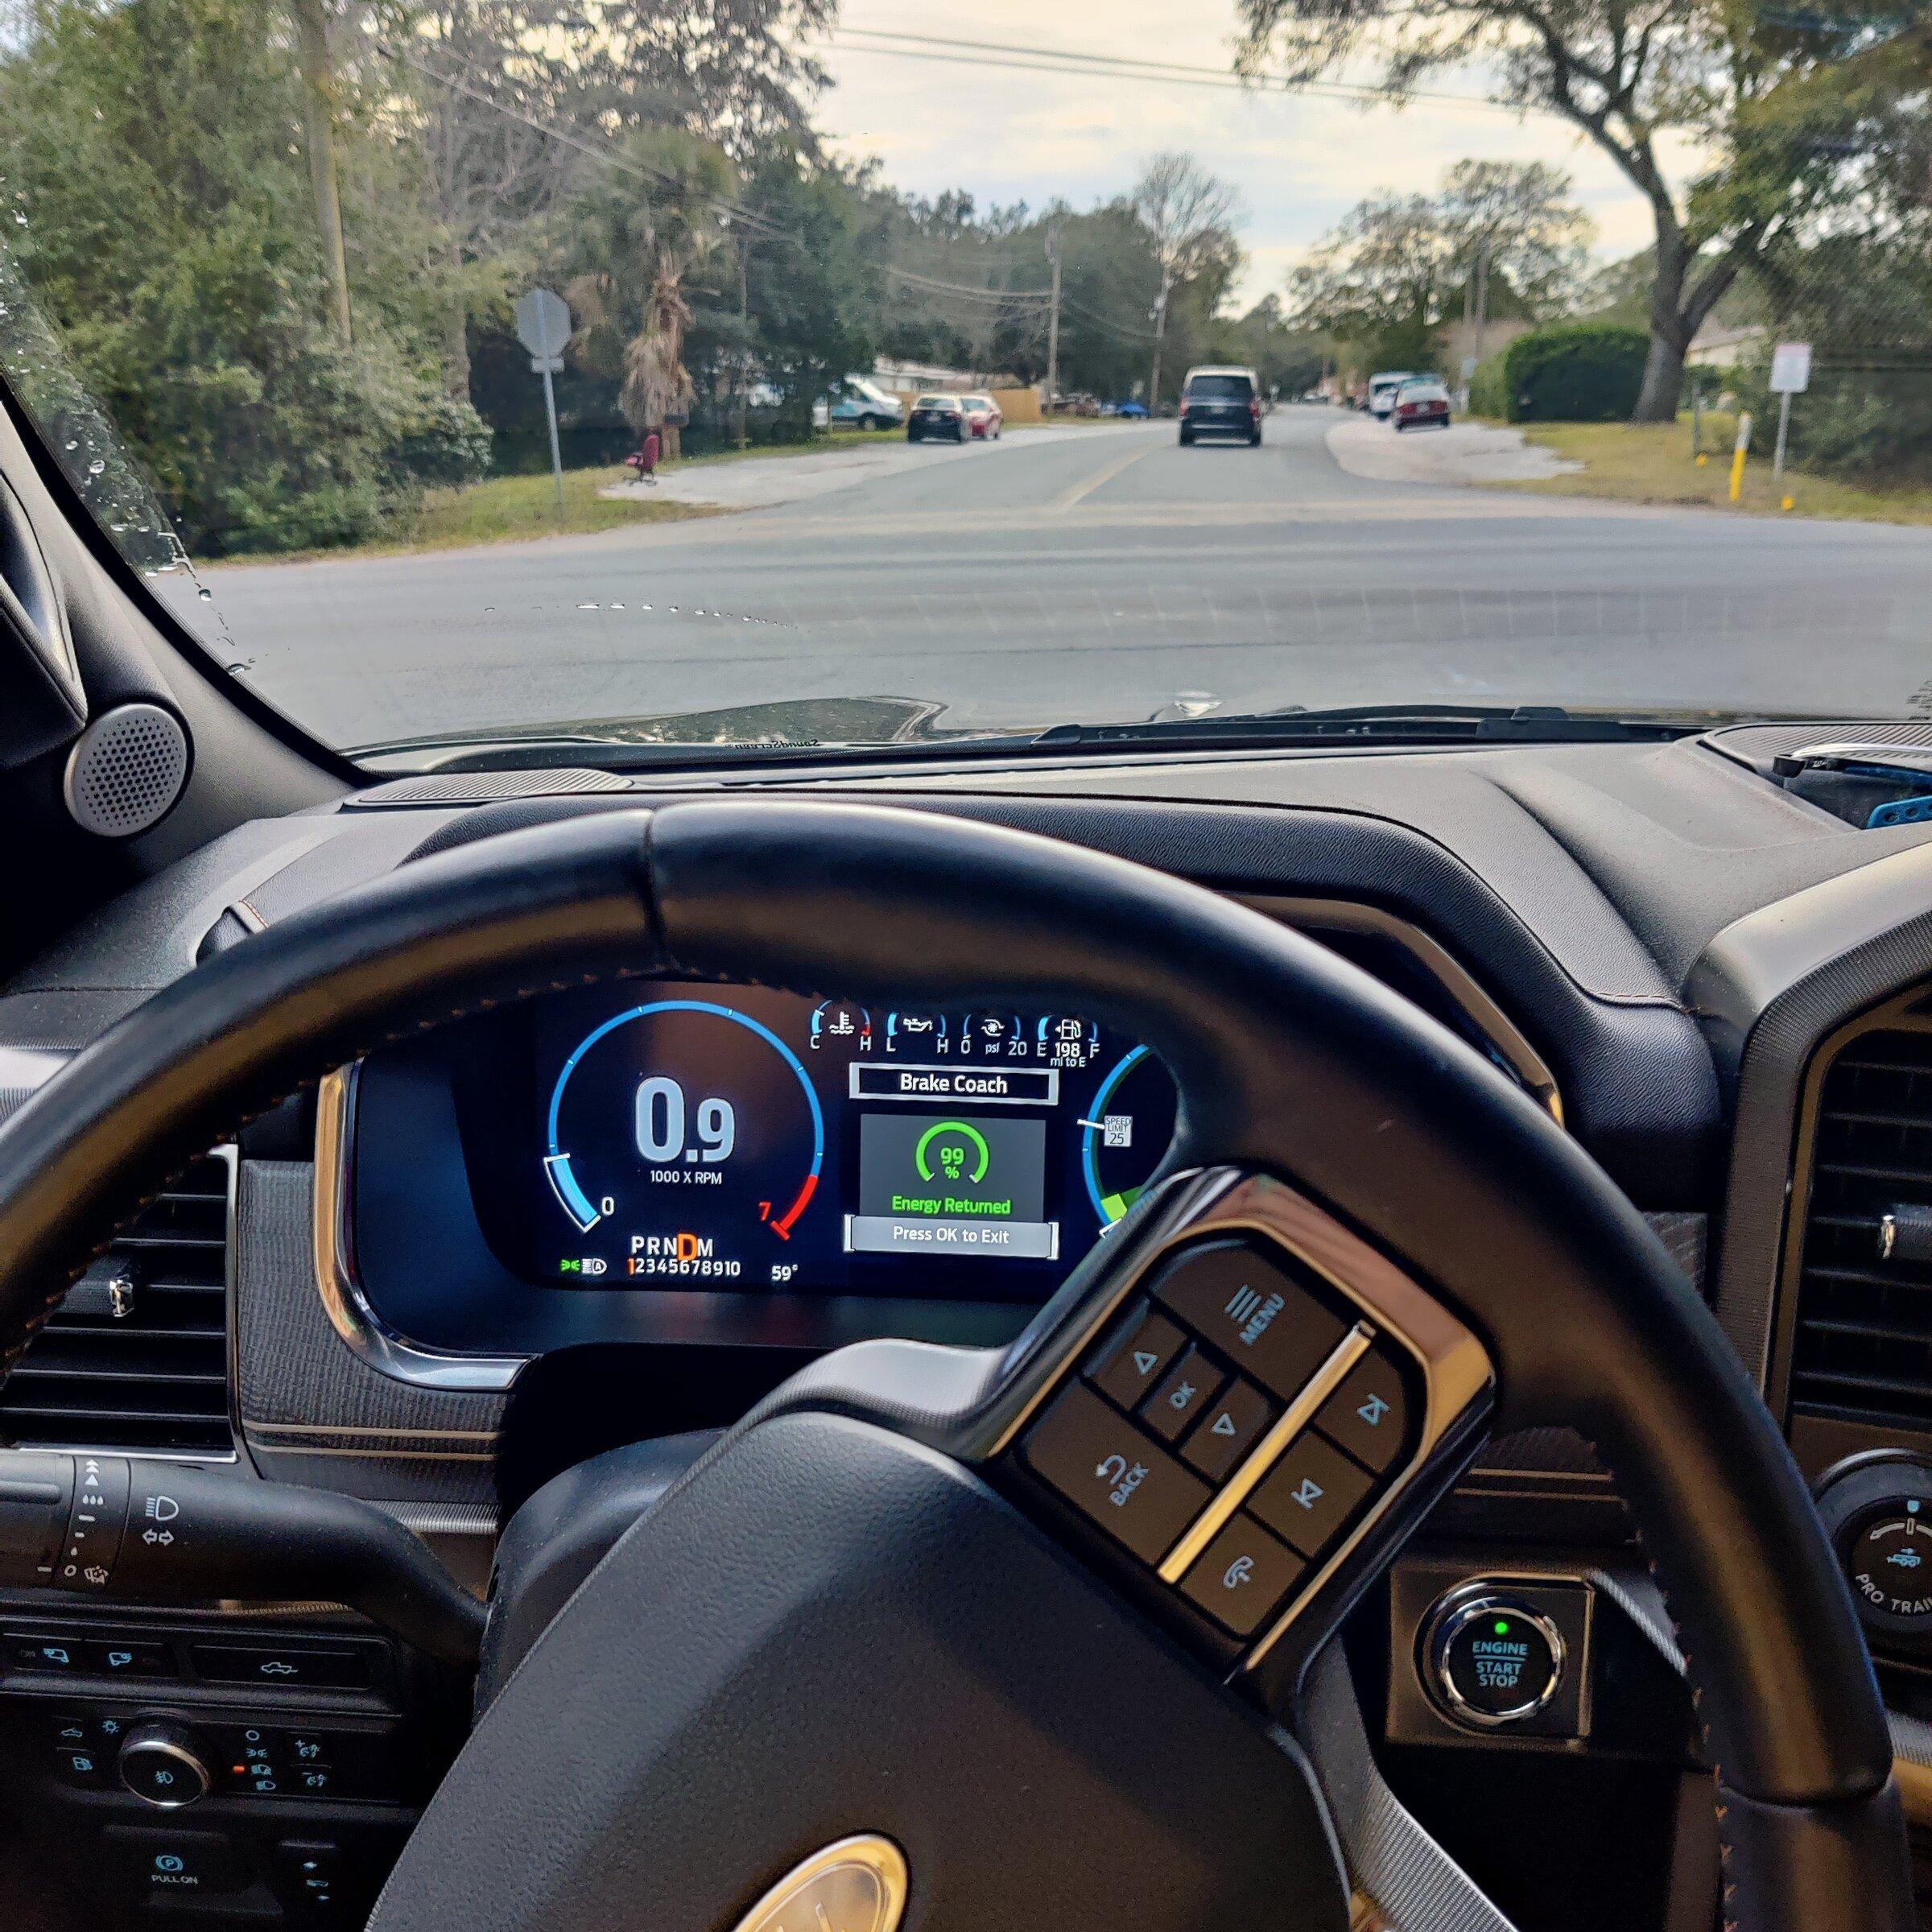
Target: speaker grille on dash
<point x="127" y="770"/>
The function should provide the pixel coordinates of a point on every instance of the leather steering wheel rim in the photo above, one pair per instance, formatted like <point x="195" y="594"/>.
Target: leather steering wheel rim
<point x="1288" y="1060"/>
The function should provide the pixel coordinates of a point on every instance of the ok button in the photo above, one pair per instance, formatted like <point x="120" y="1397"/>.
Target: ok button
<point x="1113" y="1475"/>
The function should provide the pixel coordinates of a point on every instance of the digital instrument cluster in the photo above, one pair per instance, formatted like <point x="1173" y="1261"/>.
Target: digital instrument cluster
<point x="752" y="1140"/>
<point x="694" y="1150"/>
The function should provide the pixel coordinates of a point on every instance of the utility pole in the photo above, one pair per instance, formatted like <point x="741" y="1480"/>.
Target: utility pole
<point x="1053" y="316"/>
<point x="744" y="396"/>
<point x="1482" y="298"/>
<point x="1160" y="339"/>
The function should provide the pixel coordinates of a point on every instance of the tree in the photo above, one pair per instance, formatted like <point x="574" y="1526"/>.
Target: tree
<point x="494" y="91"/>
<point x="734" y="72"/>
<point x="811" y="286"/>
<point x="1189" y="216"/>
<point x="1758" y="93"/>
<point x="1386" y="277"/>
<point x="170" y="237"/>
<point x="319" y="123"/>
<point x="637" y="234"/>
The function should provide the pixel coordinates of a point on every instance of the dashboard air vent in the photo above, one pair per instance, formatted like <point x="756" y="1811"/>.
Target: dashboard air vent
<point x="136" y="1358"/>
<point x="1862" y="1345"/>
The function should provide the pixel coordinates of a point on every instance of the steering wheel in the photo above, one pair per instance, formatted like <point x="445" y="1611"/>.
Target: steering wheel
<point x="934" y="1636"/>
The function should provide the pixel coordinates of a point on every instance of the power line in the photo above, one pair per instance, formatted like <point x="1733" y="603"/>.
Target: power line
<point x="1031" y="298"/>
<point x="604" y="156"/>
<point x="1036" y="58"/>
<point x="1100" y="321"/>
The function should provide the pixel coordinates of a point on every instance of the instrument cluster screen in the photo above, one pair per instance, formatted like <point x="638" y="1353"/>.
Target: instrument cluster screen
<point x="741" y="1140"/>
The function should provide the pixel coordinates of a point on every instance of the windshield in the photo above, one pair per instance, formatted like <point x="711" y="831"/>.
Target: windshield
<point x="457" y="371"/>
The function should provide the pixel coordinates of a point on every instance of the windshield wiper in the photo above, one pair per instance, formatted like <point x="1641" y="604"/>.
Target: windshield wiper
<point x="1402" y="723"/>
<point x="647" y="745"/>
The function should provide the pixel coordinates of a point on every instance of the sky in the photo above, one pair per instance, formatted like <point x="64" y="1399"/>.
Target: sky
<point x="1299" y="161"/>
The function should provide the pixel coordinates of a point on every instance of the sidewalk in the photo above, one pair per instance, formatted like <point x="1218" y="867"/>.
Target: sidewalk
<point x="1466" y="453"/>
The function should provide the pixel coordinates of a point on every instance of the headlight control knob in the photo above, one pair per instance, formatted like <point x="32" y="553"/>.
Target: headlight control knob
<point x="164" y="1764"/>
<point x="1877" y="1511"/>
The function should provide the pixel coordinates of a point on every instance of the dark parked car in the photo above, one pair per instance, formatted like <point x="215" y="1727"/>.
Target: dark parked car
<point x="1221" y="403"/>
<point x="1419" y="403"/>
<point x="941" y="416"/>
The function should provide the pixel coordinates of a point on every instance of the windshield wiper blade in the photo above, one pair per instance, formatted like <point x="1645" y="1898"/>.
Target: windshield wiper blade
<point x="1404" y="724"/>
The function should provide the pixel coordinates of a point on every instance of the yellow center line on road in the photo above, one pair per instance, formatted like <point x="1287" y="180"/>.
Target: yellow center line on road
<point x="1081" y="492"/>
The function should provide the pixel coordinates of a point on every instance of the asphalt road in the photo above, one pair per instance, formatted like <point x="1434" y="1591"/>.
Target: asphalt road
<point x="1095" y="575"/>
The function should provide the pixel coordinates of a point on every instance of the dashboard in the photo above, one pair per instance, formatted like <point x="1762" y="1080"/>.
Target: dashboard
<point x="700" y="1163"/>
<point x="612" y="1215"/>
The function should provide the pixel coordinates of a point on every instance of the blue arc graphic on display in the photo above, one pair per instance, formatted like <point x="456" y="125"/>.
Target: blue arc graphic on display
<point x="1107" y="1208"/>
<point x="557" y="1163"/>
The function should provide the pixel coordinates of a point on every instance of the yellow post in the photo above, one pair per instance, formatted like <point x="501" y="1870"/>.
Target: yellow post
<point x="1737" y="456"/>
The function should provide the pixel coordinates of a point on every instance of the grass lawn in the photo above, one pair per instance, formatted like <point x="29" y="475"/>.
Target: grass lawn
<point x="1651" y="463"/>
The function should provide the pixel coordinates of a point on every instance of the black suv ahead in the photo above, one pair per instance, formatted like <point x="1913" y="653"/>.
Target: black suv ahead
<point x="1221" y="403"/>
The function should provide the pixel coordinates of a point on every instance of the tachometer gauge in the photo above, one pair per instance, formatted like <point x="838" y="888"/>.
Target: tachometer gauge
<point x="686" y="1135"/>
<point x="1125" y="1134"/>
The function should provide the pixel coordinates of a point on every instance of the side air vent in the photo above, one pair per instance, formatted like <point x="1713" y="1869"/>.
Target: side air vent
<point x="1862" y="1344"/>
<point x="136" y="1358"/>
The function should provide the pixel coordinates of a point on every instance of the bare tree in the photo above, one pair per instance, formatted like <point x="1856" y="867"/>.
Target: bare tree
<point x="1759" y="93"/>
<point x="496" y="97"/>
<point x="1189" y="215"/>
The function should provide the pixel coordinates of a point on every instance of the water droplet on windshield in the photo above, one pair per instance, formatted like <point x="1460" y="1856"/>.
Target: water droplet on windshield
<point x="19" y="218"/>
<point x="206" y="595"/>
<point x="96" y="467"/>
<point x="73" y="443"/>
<point x="587" y="607"/>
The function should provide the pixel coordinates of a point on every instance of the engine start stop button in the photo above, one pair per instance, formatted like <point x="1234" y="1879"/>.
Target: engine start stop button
<point x="1492" y="1660"/>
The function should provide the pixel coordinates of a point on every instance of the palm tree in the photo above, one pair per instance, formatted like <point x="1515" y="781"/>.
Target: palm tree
<point x="637" y="233"/>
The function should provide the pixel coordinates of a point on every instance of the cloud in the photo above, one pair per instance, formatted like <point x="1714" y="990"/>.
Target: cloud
<point x="1300" y="160"/>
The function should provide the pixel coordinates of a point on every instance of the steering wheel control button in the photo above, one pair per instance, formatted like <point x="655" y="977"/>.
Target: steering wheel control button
<point x="1241" y="1576"/>
<point x="1368" y="1415"/>
<point x="1493" y="1661"/>
<point x="281" y="1668"/>
<point x="176" y="1868"/>
<point x="1113" y="1475"/>
<point x="1228" y="1429"/>
<point x="163" y="1764"/>
<point x="1251" y="1310"/>
<point x="1140" y="1352"/>
<point x="1185" y="1391"/>
<point x="1310" y="1493"/>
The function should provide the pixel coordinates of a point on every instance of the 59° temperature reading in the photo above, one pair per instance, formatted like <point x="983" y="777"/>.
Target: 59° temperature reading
<point x="661" y="1122"/>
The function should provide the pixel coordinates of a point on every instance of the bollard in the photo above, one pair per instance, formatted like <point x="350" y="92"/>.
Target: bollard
<point x="1737" y="456"/>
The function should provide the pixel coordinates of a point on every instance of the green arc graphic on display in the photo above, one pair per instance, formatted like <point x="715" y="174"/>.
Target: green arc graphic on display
<point x="932" y="1133"/>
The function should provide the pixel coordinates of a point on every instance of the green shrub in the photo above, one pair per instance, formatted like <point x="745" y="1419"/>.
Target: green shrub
<point x="1869" y="425"/>
<point x="1579" y="372"/>
<point x="1489" y="388"/>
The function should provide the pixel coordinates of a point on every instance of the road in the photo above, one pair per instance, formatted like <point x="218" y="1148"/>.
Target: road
<point x="1096" y="576"/>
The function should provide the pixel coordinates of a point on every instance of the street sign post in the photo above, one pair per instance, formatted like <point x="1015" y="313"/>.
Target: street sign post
<point x="1791" y="376"/>
<point x="543" y="328"/>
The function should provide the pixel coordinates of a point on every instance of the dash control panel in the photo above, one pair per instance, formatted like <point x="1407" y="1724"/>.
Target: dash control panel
<point x="1233" y="1425"/>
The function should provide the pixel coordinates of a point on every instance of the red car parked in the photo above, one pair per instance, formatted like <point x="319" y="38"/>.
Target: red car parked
<point x="984" y="417"/>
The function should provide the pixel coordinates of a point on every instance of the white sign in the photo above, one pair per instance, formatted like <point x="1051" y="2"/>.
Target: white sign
<point x="1791" y="369"/>
<point x="543" y="323"/>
